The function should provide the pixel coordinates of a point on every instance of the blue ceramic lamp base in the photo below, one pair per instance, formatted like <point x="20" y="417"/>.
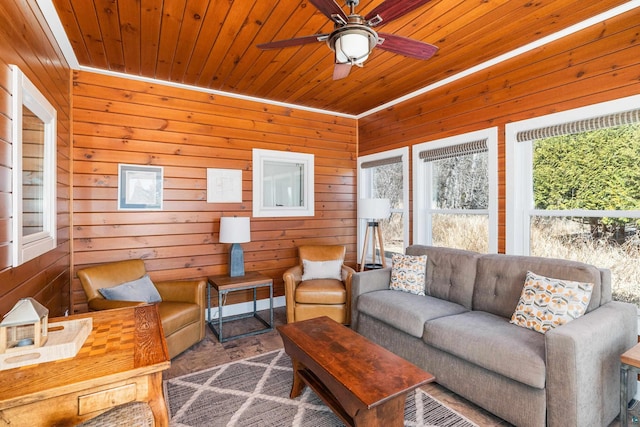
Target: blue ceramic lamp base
<point x="236" y="261"/>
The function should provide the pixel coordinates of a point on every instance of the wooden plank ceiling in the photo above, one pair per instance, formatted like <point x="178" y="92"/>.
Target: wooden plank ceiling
<point x="212" y="44"/>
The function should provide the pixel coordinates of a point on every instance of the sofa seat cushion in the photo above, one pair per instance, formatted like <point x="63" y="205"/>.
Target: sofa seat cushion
<point x="321" y="291"/>
<point x="404" y="311"/>
<point x="176" y="315"/>
<point x="493" y="343"/>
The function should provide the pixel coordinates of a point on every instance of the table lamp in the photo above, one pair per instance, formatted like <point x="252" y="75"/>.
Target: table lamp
<point x="373" y="210"/>
<point x="235" y="230"/>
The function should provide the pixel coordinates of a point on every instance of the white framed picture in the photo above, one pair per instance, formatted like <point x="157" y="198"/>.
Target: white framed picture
<point x="224" y="185"/>
<point x="140" y="187"/>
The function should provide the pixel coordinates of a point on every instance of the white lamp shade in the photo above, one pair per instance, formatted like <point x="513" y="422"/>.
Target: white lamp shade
<point x="374" y="208"/>
<point x="235" y="229"/>
<point x="352" y="47"/>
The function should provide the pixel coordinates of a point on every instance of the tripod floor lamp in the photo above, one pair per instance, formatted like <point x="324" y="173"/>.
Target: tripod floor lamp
<point x="373" y="210"/>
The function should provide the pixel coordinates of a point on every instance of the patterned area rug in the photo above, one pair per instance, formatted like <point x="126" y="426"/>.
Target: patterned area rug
<point x="255" y="392"/>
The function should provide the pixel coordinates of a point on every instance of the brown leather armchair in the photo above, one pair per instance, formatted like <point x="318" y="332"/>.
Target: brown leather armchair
<point x="181" y="309"/>
<point x="318" y="297"/>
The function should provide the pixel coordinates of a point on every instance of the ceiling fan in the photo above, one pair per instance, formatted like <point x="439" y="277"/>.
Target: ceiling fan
<point x="353" y="37"/>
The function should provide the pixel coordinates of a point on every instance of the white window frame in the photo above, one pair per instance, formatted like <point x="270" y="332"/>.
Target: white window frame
<point x="25" y="248"/>
<point x="519" y="172"/>
<point x="303" y="160"/>
<point x="422" y="188"/>
<point x="365" y="188"/>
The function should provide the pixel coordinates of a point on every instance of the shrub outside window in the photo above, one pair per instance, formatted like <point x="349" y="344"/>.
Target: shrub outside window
<point x="573" y="189"/>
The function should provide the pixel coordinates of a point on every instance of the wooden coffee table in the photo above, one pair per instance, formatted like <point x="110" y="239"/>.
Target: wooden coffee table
<point x="363" y="383"/>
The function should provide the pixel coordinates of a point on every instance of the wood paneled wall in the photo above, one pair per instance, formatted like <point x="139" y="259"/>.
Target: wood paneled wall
<point x="597" y="64"/>
<point x="120" y="120"/>
<point x="26" y="42"/>
<point x="116" y="120"/>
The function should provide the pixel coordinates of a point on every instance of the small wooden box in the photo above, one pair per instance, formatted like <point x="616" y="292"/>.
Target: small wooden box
<point x="64" y="340"/>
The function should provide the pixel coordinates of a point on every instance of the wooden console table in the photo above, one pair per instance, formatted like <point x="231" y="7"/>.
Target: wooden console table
<point x="121" y="361"/>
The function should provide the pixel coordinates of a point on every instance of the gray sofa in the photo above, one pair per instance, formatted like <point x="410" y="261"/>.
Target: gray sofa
<point x="460" y="332"/>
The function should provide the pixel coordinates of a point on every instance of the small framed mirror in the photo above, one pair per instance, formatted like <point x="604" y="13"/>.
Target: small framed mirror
<point x="34" y="171"/>
<point x="282" y="183"/>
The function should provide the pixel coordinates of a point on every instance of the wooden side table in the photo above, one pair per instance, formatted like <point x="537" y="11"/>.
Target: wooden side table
<point x="225" y="284"/>
<point x="629" y="361"/>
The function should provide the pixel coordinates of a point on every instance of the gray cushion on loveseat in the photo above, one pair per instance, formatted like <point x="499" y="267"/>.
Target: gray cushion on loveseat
<point x="493" y="343"/>
<point x="501" y="278"/>
<point x="405" y="311"/>
<point x="450" y="273"/>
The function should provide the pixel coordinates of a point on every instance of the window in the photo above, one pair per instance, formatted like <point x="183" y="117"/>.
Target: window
<point x="34" y="171"/>
<point x="385" y="176"/>
<point x="455" y="192"/>
<point x="282" y="184"/>
<point x="573" y="189"/>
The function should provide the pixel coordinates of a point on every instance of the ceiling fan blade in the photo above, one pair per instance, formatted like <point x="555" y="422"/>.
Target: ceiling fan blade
<point x="278" y="44"/>
<point x="329" y="8"/>
<point x="392" y="9"/>
<point x="340" y="71"/>
<point x="407" y="47"/>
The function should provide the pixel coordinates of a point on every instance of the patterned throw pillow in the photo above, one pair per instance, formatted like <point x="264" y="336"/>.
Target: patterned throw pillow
<point x="546" y="303"/>
<point x="408" y="273"/>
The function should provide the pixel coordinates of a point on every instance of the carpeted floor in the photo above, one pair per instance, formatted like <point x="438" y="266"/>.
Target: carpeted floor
<point x="255" y="392"/>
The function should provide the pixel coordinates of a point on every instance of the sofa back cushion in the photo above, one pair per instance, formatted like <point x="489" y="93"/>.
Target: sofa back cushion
<point x="500" y="279"/>
<point x="451" y="273"/>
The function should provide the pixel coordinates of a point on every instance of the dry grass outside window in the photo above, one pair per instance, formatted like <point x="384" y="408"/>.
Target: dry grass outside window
<point x="555" y="238"/>
<point x="567" y="239"/>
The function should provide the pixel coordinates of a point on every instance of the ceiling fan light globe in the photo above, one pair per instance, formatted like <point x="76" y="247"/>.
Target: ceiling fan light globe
<point x="352" y="48"/>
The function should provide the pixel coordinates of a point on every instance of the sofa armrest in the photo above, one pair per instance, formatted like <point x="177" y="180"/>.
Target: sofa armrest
<point x="100" y="303"/>
<point x="583" y="365"/>
<point x="364" y="282"/>
<point x="347" y="273"/>
<point x="347" y="278"/>
<point x="192" y="291"/>
<point x="293" y="274"/>
<point x="292" y="278"/>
